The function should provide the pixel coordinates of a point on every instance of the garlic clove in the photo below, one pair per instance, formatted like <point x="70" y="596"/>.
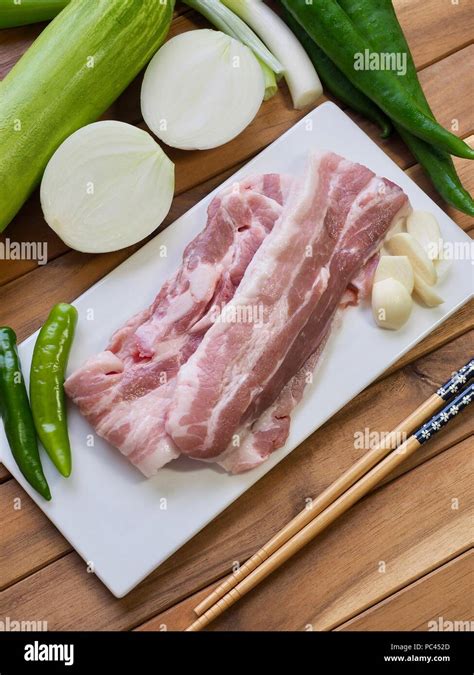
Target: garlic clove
<point x="395" y="267"/>
<point x="426" y="294"/>
<point x="404" y="244"/>
<point x="424" y="227"/>
<point x="391" y="304"/>
<point x="442" y="267"/>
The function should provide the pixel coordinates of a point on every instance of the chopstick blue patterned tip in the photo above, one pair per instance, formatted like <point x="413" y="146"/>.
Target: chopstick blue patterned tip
<point x="459" y="378"/>
<point x="454" y="407"/>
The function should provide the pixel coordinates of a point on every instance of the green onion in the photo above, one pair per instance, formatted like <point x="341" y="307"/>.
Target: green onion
<point x="225" y="20"/>
<point x="271" y="86"/>
<point x="300" y="74"/>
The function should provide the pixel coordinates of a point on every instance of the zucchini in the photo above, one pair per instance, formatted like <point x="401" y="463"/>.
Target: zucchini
<point x="14" y="13"/>
<point x="70" y="75"/>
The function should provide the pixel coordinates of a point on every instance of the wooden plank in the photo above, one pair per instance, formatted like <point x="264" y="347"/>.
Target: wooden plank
<point x="450" y="24"/>
<point x="28" y="538"/>
<point x="4" y="474"/>
<point x="443" y="595"/>
<point x="77" y="599"/>
<point x="179" y="616"/>
<point x="440" y="89"/>
<point x="382" y="544"/>
<point x="426" y="496"/>
<point x="13" y="44"/>
<point x="459" y="324"/>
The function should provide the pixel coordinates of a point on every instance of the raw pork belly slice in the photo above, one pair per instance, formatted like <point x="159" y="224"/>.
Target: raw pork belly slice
<point x="256" y="439"/>
<point x="124" y="391"/>
<point x="332" y="223"/>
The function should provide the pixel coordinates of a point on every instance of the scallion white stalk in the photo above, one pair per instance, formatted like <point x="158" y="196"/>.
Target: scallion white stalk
<point x="225" y="20"/>
<point x="300" y="74"/>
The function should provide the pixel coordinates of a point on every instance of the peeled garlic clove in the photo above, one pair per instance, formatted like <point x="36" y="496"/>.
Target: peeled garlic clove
<point x="424" y="227"/>
<point x="395" y="267"/>
<point x="391" y="304"/>
<point x="425" y="293"/>
<point x="442" y="267"/>
<point x="404" y="244"/>
<point x="397" y="227"/>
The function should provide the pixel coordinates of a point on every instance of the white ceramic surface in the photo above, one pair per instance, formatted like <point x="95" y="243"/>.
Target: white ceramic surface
<point x="126" y="525"/>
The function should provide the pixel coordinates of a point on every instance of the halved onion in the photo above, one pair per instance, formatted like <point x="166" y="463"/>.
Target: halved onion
<point x="201" y="89"/>
<point x="107" y="186"/>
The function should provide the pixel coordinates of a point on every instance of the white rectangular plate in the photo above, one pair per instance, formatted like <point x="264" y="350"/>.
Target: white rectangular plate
<point x="126" y="525"/>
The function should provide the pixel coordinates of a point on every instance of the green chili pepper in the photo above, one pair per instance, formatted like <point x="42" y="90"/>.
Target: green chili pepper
<point x="335" y="81"/>
<point x="440" y="168"/>
<point x="330" y="27"/>
<point x="48" y="401"/>
<point x="16" y="414"/>
<point x="377" y="20"/>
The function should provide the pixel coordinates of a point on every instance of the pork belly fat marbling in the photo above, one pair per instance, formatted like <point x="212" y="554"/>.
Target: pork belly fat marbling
<point x="332" y="223"/>
<point x="124" y="391"/>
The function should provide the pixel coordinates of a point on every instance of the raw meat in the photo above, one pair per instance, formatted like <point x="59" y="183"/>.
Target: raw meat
<point x="124" y="391"/>
<point x="216" y="365"/>
<point x="332" y="223"/>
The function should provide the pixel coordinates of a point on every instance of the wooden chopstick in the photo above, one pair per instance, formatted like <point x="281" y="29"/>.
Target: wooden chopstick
<point x="343" y="483"/>
<point x="342" y="494"/>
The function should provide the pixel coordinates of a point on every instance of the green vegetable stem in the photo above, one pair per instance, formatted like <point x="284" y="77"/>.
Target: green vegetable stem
<point x="48" y="401"/>
<point x="16" y="413"/>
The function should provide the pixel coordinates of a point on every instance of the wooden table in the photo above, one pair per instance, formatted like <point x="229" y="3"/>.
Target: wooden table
<point x="397" y="560"/>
